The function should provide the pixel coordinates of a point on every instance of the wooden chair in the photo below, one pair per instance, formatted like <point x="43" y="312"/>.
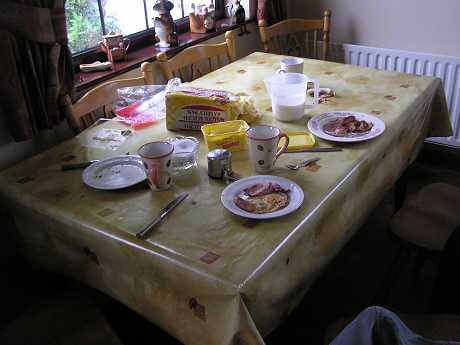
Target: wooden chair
<point x="194" y="59"/>
<point x="82" y="113"/>
<point x="422" y="227"/>
<point x="292" y="36"/>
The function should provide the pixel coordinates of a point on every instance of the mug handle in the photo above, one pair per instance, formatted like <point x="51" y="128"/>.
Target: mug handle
<point x="284" y="148"/>
<point x="280" y="70"/>
<point x="315" y="91"/>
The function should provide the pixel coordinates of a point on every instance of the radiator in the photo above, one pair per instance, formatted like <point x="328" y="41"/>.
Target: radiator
<point x="445" y="67"/>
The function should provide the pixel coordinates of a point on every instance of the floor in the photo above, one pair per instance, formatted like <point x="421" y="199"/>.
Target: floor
<point x="350" y="284"/>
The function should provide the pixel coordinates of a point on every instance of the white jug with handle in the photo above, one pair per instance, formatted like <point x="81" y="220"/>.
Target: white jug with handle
<point x="288" y="93"/>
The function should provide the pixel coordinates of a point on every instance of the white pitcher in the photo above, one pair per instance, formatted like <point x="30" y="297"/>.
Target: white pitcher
<point x="288" y="93"/>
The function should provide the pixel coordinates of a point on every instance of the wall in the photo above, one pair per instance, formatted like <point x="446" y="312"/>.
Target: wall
<point x="415" y="25"/>
<point x="12" y="152"/>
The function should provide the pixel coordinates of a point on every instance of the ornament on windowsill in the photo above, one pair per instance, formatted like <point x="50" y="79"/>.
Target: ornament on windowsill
<point x="202" y="19"/>
<point x="229" y="9"/>
<point x="209" y="19"/>
<point x="115" y="46"/>
<point x="239" y="17"/>
<point x="96" y="66"/>
<point x="164" y="25"/>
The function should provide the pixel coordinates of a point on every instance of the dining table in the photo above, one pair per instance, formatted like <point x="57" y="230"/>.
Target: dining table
<point x="205" y="275"/>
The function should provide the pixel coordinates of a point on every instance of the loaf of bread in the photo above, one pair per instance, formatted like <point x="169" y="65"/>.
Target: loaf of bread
<point x="188" y="108"/>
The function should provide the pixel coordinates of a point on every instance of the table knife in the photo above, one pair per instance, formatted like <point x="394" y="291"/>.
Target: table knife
<point x="81" y="165"/>
<point x="318" y="149"/>
<point x="163" y="213"/>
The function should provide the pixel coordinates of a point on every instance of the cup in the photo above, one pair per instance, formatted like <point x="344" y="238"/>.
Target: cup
<point x="263" y="145"/>
<point x="291" y="65"/>
<point x="288" y="95"/>
<point x="156" y="157"/>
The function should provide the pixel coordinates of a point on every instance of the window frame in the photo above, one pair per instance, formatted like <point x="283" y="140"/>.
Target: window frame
<point x="139" y="39"/>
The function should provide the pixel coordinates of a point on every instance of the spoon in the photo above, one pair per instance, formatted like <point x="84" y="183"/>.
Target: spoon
<point x="302" y="164"/>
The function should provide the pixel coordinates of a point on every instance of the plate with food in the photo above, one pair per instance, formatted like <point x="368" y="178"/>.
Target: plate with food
<point x="346" y="126"/>
<point x="262" y="197"/>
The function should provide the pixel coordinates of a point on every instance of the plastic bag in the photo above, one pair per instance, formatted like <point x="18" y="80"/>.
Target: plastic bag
<point x="141" y="106"/>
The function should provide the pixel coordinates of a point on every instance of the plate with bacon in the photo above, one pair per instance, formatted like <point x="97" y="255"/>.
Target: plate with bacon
<point x="346" y="126"/>
<point x="262" y="197"/>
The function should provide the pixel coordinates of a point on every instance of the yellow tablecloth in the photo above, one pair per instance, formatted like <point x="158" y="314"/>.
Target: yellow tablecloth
<point x="205" y="275"/>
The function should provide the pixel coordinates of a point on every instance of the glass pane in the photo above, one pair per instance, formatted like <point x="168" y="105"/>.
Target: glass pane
<point x="176" y="12"/>
<point x="83" y="24"/>
<point x="124" y="16"/>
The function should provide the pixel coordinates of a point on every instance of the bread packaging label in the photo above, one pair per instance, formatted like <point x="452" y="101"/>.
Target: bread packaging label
<point x="188" y="108"/>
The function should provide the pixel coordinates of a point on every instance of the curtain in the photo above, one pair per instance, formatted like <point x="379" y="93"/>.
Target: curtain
<point x="37" y="70"/>
<point x="271" y="11"/>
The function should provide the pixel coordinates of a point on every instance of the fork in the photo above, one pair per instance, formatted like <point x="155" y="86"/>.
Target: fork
<point x="302" y="164"/>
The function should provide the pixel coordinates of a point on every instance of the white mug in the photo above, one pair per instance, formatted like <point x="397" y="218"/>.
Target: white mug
<point x="156" y="158"/>
<point x="291" y="65"/>
<point x="263" y="146"/>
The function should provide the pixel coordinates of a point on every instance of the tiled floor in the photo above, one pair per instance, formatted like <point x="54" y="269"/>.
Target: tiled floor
<point x="349" y="285"/>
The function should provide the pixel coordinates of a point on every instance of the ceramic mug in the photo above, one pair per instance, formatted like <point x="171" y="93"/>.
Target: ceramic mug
<point x="263" y="146"/>
<point x="156" y="158"/>
<point x="291" y="65"/>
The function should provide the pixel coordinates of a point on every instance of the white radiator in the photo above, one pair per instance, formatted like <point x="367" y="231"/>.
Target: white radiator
<point x="445" y="67"/>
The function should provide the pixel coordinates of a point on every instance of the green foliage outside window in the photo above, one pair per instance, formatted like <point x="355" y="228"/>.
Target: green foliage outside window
<point x="84" y="25"/>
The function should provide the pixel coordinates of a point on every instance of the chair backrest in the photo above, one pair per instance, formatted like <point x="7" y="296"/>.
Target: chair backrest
<point x="82" y="113"/>
<point x="196" y="61"/>
<point x="286" y="36"/>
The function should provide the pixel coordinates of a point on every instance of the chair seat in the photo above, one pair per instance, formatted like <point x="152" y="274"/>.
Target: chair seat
<point x="428" y="219"/>
<point x="432" y="326"/>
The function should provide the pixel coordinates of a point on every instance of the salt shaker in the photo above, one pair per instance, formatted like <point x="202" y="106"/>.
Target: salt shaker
<point x="220" y="164"/>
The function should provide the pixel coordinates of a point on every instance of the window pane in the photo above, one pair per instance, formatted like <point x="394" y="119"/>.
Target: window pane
<point x="176" y="12"/>
<point x="83" y="24"/>
<point x="124" y="16"/>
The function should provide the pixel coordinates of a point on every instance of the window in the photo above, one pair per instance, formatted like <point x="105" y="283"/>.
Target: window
<point x="88" y="20"/>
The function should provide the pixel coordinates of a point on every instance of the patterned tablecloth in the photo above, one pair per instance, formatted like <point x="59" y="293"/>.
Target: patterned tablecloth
<point x="205" y="275"/>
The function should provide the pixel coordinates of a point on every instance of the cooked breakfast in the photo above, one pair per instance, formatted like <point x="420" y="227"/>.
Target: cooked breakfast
<point x="262" y="198"/>
<point x="346" y="126"/>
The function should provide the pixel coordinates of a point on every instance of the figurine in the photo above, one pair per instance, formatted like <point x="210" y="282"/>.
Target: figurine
<point x="115" y="46"/>
<point x="229" y="9"/>
<point x="239" y="18"/>
<point x="164" y="24"/>
<point x="209" y="19"/>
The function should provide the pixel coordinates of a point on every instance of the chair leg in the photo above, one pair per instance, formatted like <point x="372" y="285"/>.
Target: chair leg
<point x="420" y="260"/>
<point x="400" y="190"/>
<point x="391" y="276"/>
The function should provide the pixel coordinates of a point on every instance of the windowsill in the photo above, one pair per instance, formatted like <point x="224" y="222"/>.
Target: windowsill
<point x="135" y="58"/>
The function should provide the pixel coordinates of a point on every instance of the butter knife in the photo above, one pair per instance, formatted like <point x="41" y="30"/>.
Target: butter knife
<point x="163" y="213"/>
<point x="318" y="149"/>
<point x="81" y="165"/>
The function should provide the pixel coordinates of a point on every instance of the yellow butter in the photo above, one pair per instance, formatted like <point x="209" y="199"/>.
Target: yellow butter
<point x="230" y="135"/>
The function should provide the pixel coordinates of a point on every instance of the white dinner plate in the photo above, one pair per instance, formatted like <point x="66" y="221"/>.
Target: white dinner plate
<point x="115" y="173"/>
<point x="295" y="196"/>
<point x="316" y="125"/>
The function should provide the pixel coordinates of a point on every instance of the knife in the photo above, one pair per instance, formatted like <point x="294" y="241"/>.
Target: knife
<point x="317" y="149"/>
<point x="72" y="166"/>
<point x="163" y="213"/>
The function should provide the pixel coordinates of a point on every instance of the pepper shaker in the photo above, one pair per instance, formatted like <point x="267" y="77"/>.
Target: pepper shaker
<point x="220" y="164"/>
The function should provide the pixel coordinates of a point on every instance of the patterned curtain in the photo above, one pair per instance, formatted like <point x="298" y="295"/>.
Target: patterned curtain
<point x="272" y="11"/>
<point x="37" y="71"/>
